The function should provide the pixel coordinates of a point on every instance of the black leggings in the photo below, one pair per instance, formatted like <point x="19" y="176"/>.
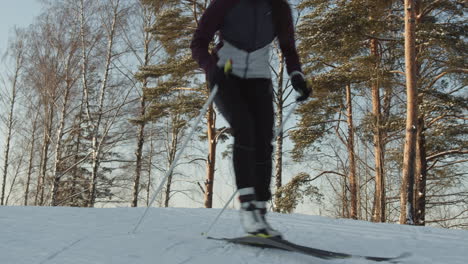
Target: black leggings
<point x="247" y="105"/>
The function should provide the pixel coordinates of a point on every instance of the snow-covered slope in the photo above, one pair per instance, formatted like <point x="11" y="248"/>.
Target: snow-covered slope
<point x="30" y="235"/>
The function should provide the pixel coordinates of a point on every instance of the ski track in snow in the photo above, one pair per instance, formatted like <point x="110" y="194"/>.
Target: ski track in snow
<point x="388" y="236"/>
<point x="59" y="235"/>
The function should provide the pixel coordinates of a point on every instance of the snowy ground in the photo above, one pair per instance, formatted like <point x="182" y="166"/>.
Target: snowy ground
<point x="30" y="235"/>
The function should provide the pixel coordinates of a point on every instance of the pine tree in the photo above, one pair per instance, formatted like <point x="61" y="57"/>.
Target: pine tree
<point x="440" y="68"/>
<point x="148" y="52"/>
<point x="172" y="101"/>
<point x="333" y="38"/>
<point x="409" y="158"/>
<point x="334" y="35"/>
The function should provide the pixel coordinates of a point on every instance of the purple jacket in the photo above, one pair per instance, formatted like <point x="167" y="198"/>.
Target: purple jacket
<point x="234" y="19"/>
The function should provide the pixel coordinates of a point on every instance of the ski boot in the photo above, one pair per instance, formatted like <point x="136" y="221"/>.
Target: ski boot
<point x="261" y="207"/>
<point x="251" y="217"/>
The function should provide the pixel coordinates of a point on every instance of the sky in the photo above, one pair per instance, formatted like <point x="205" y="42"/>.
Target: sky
<point x="13" y="13"/>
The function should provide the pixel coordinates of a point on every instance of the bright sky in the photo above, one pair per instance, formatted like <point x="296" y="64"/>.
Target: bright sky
<point x="15" y="13"/>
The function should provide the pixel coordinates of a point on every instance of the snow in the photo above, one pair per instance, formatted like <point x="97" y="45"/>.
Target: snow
<point x="173" y="236"/>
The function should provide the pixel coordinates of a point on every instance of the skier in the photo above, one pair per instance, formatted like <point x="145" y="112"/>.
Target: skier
<point x="239" y="65"/>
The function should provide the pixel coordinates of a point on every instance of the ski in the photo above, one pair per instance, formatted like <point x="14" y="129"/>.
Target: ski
<point x="282" y="244"/>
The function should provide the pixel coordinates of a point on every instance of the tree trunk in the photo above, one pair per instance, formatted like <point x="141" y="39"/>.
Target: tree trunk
<point x="94" y="175"/>
<point x="420" y="176"/>
<point x="150" y="168"/>
<point x="141" y="125"/>
<point x="344" y="198"/>
<point x="379" y="203"/>
<point x="419" y="216"/>
<point x="139" y="153"/>
<point x="15" y="177"/>
<point x="406" y="197"/>
<point x="171" y="158"/>
<point x="84" y="80"/>
<point x="168" y="191"/>
<point x="76" y="171"/>
<point x="279" y="139"/>
<point x="57" y="171"/>
<point x="211" y="161"/>
<point x="31" y="160"/>
<point x="98" y="140"/>
<point x="41" y="182"/>
<point x="75" y="200"/>
<point x="6" y="162"/>
<point x="366" y="189"/>
<point x="352" y="159"/>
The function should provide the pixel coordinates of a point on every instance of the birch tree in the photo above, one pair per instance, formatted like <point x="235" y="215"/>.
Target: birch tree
<point x="41" y="80"/>
<point x="70" y="78"/>
<point x="59" y="55"/>
<point x="96" y="120"/>
<point x="42" y="68"/>
<point x="278" y="156"/>
<point x="101" y="116"/>
<point x="32" y="148"/>
<point x="149" y="51"/>
<point x="17" y="52"/>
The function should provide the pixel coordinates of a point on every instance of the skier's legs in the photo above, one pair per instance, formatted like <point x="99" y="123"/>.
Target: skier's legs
<point x="247" y="105"/>
<point x="261" y="105"/>
<point x="231" y="102"/>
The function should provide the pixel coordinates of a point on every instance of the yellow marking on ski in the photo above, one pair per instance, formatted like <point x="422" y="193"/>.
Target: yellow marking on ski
<point x="261" y="235"/>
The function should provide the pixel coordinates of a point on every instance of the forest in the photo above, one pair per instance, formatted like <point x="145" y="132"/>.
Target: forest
<point x="98" y="97"/>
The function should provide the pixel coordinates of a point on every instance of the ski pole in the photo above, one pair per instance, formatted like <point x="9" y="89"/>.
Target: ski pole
<point x="219" y="214"/>
<point x="184" y="145"/>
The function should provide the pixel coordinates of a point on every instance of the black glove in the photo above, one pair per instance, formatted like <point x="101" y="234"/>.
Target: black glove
<point x="300" y="85"/>
<point x="214" y="76"/>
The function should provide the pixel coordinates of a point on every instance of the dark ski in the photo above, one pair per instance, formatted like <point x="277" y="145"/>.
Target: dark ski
<point x="282" y="244"/>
